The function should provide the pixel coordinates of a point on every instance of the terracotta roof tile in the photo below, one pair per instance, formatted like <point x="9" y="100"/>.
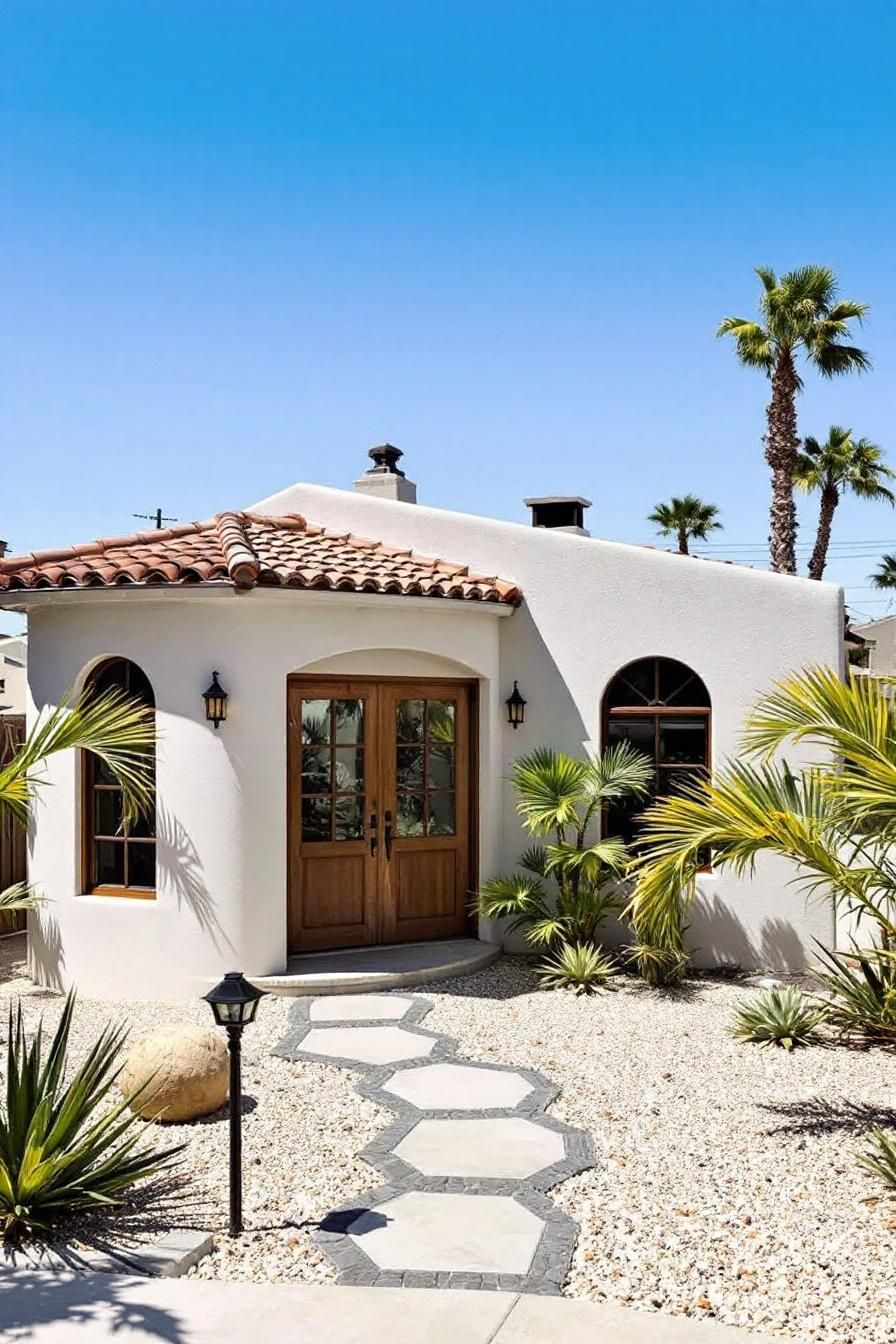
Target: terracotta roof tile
<point x="248" y="551"/>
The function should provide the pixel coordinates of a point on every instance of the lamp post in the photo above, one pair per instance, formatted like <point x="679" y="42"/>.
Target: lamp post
<point x="233" y="1003"/>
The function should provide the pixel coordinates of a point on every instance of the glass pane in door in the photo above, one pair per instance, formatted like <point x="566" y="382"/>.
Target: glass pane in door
<point x="424" y="771"/>
<point x="334" y="759"/>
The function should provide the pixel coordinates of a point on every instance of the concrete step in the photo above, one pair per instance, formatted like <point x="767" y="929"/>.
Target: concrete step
<point x="360" y="970"/>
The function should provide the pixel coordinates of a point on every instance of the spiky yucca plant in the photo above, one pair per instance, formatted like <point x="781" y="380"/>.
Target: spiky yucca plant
<point x="579" y="966"/>
<point x="862" y="990"/>
<point x="65" y="1146"/>
<point x="565" y="891"/>
<point x="784" y="1017"/>
<point x="881" y="1160"/>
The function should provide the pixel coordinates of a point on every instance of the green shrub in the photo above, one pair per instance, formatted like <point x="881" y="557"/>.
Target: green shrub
<point x="862" y="986"/>
<point x="785" y="1017"/>
<point x="65" y="1147"/>
<point x="579" y="966"/>
<point x="567" y="887"/>
<point x="881" y="1160"/>
<point x="661" y="967"/>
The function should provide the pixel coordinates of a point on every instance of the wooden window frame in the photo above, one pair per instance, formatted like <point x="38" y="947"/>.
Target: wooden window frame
<point x="656" y="711"/>
<point x="88" y="831"/>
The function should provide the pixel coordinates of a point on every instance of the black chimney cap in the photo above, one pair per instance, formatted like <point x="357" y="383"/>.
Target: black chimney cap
<point x="385" y="459"/>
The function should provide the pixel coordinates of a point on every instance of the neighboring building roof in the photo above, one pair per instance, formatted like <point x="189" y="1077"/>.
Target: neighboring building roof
<point x="250" y="550"/>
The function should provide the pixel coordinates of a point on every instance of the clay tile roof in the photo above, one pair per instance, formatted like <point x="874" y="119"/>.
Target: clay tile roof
<point x="247" y="551"/>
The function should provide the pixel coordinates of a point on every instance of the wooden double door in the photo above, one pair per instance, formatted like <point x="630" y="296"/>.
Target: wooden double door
<point x="380" y="810"/>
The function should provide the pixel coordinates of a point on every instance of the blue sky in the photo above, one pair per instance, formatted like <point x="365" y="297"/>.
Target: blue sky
<point x="242" y="242"/>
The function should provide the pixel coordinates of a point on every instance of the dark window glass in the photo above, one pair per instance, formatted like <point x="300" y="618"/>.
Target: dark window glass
<point x="662" y="708"/>
<point x="118" y="856"/>
<point x="316" y="818"/>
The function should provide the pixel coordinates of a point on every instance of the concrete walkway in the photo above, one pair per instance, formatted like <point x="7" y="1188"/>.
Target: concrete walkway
<point x="46" y="1308"/>
<point x="468" y="1159"/>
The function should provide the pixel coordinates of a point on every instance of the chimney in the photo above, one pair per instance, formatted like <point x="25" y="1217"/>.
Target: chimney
<point x="563" y="513"/>
<point x="385" y="480"/>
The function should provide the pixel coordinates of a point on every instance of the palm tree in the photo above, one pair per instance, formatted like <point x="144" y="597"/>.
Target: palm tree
<point x="685" y="517"/>
<point x="839" y="466"/>
<point x="118" y="730"/>
<point x="835" y="821"/>
<point x="885" y="574"/>
<point x="800" y="313"/>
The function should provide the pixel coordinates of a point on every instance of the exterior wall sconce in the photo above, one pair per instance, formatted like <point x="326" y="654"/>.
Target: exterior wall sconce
<point x="516" y="707"/>
<point x="215" y="702"/>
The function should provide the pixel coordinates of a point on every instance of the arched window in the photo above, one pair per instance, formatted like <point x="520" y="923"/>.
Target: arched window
<point x="118" y="860"/>
<point x="663" y="708"/>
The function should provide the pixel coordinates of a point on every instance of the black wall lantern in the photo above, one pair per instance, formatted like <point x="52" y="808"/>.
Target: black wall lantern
<point x="233" y="1003"/>
<point x="516" y="707"/>
<point x="215" y="702"/>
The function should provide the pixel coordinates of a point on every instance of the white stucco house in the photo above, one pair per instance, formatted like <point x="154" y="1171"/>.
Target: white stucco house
<point x="357" y="790"/>
<point x="13" y="674"/>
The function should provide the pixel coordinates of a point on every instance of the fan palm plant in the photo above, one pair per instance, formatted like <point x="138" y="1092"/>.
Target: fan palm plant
<point x="835" y="821"/>
<point x="566" y="887"/>
<point x="800" y="314"/>
<point x="841" y="465"/>
<point x="115" y="728"/>
<point x="686" y="518"/>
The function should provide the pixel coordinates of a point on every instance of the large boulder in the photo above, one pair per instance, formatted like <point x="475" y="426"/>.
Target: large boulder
<point x="185" y="1070"/>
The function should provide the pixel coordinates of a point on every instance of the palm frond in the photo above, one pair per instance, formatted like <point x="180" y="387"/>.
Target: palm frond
<point x="20" y="896"/>
<point x="119" y="731"/>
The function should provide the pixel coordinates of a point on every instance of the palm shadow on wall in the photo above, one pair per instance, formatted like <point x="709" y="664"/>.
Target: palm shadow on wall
<point x="180" y="871"/>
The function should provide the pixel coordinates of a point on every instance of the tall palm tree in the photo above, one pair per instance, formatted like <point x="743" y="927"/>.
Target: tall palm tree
<point x="839" y="466"/>
<point x="118" y="730"/>
<point x="885" y="574"/>
<point x="685" y="517"/>
<point x="800" y="314"/>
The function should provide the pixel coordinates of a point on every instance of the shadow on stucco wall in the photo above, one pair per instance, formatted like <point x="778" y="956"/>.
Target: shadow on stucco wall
<point x="46" y="957"/>
<point x="717" y="937"/>
<point x="180" y="871"/>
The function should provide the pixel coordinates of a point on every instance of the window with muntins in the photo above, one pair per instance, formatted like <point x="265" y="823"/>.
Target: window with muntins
<point x="663" y="709"/>
<point x="118" y="859"/>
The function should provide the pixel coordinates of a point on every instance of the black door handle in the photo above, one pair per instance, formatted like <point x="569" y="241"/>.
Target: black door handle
<point x="388" y="834"/>
<point x="372" y="828"/>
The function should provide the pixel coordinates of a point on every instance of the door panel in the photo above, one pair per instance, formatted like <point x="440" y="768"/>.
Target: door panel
<point x="425" y="790"/>
<point x="380" y="811"/>
<point x="332" y="872"/>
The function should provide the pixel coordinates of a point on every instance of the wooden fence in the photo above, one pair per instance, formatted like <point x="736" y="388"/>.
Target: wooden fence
<point x="13" y="858"/>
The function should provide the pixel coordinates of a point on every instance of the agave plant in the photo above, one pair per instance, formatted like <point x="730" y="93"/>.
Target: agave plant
<point x="65" y="1146"/>
<point x="566" y="888"/>
<point x="785" y="1017"/>
<point x="881" y="1160"/>
<point x="579" y="966"/>
<point x="862" y="989"/>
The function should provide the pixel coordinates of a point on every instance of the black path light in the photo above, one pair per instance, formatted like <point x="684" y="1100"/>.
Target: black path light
<point x="516" y="707"/>
<point x="233" y="1003"/>
<point x="215" y="702"/>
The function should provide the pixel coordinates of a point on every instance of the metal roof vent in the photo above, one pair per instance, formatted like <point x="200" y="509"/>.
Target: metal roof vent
<point x="563" y="513"/>
<point x="385" y="479"/>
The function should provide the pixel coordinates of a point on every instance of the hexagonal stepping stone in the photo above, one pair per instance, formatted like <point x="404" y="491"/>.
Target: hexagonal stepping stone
<point x="458" y="1087"/>
<point x="478" y="1234"/>
<point x="476" y="1148"/>
<point x="367" y="1045"/>
<point x="358" y="1008"/>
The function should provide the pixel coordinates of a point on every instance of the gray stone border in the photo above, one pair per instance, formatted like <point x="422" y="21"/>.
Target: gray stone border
<point x="553" y="1255"/>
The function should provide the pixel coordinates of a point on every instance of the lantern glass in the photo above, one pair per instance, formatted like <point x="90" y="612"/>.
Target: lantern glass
<point x="234" y="1001"/>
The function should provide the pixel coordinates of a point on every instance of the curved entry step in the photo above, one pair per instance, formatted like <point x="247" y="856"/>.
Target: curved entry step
<point x="360" y="970"/>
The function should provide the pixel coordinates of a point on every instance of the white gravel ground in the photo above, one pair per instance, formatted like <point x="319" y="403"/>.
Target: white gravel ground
<point x="725" y="1184"/>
